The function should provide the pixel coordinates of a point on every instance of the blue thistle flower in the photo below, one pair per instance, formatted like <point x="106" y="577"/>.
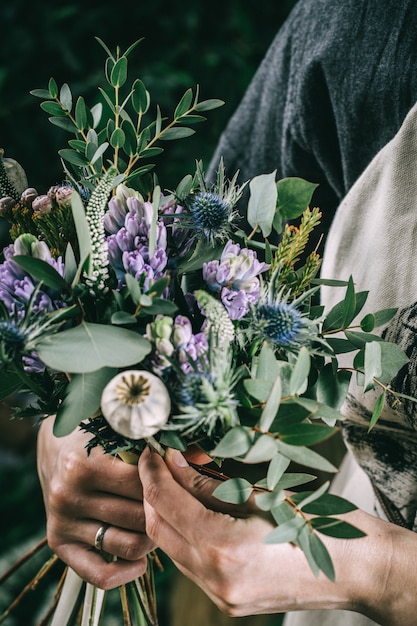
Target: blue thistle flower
<point x="191" y="391"/>
<point x="210" y="215"/>
<point x="282" y="323"/>
<point x="12" y="340"/>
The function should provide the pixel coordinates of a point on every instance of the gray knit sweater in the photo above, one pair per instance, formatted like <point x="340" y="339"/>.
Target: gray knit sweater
<point x="333" y="89"/>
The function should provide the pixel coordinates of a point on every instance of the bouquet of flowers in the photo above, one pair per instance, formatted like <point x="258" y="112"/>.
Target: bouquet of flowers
<point x="180" y="317"/>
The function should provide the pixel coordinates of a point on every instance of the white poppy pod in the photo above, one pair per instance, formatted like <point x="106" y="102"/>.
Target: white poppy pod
<point x="136" y="404"/>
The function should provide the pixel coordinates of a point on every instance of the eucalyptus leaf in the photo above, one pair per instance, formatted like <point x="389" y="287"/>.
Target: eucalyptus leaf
<point x="321" y="556"/>
<point x="294" y="196"/>
<point x="176" y="133"/>
<point x="299" y="376"/>
<point x="209" y="105"/>
<point x="81" y="226"/>
<point x="73" y="157"/>
<point x="332" y="387"/>
<point x="306" y="456"/>
<point x="118" y="74"/>
<point x="276" y="469"/>
<point x="81" y="113"/>
<point x="184" y="104"/>
<point x="271" y="407"/>
<point x="89" y="347"/>
<point x="63" y="122"/>
<point x="262" y="202"/>
<point x="306" y="434"/>
<point x="65" y="97"/>
<point x="264" y="449"/>
<point x="326" y="504"/>
<point x="53" y="108"/>
<point x="334" y="527"/>
<point x="376" y="413"/>
<point x="121" y="318"/>
<point x="81" y="400"/>
<point x="268" y="500"/>
<point x="234" y="491"/>
<point x="235" y="442"/>
<point x="286" y="532"/>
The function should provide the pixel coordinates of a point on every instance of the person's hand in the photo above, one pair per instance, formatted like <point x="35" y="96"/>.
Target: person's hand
<point x="83" y="493"/>
<point x="225" y="554"/>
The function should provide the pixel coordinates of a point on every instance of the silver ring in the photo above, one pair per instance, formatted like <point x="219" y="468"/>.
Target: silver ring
<point x="98" y="540"/>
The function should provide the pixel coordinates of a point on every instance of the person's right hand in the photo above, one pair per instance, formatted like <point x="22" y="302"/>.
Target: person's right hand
<point x="81" y="494"/>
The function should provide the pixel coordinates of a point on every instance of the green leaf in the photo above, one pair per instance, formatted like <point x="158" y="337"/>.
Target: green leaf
<point x="53" y="88"/>
<point x="269" y="500"/>
<point x="140" y="97"/>
<point x="65" y="97"/>
<point x="236" y="442"/>
<point x="208" y="105"/>
<point x="118" y="74"/>
<point x="368" y="323"/>
<point x="286" y="532"/>
<point x="258" y="389"/>
<point x="327" y="504"/>
<point x="264" y="449"/>
<point x="294" y="196"/>
<point x="334" y="527"/>
<point x="73" y="157"/>
<point x="64" y="123"/>
<point x="332" y="388"/>
<point x="393" y="358"/>
<point x="334" y="319"/>
<point x="81" y="400"/>
<point x="184" y="104"/>
<point x="349" y="305"/>
<point x="373" y="365"/>
<point x="359" y="340"/>
<point x="321" y="556"/>
<point x="81" y="113"/>
<point x="376" y="413"/>
<point x="176" y="133"/>
<point x="314" y="495"/>
<point x="271" y="407"/>
<point x="306" y="434"/>
<point x="299" y="375"/>
<point x="81" y="226"/>
<point x="262" y="202"/>
<point x="40" y="93"/>
<point x="267" y="366"/>
<point x="53" y="108"/>
<point x="99" y="152"/>
<point x="89" y="347"/>
<point x="42" y="271"/>
<point x="305" y="456"/>
<point x="234" y="491"/>
<point x="121" y="318"/>
<point x="276" y="469"/>
<point x="117" y="138"/>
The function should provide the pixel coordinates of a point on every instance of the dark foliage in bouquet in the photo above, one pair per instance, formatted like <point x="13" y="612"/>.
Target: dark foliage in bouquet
<point x="171" y="318"/>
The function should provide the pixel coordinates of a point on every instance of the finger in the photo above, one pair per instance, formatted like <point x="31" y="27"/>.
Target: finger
<point x="93" y="567"/>
<point x="202" y="486"/>
<point x="171" y="502"/>
<point x="110" y="509"/>
<point x="101" y="472"/>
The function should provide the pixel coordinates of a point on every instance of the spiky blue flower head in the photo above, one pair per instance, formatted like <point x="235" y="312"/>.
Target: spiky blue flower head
<point x="210" y="216"/>
<point x="12" y="340"/>
<point x="284" y="323"/>
<point x="191" y="391"/>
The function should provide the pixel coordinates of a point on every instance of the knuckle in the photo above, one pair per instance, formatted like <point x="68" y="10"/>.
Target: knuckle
<point x="151" y="493"/>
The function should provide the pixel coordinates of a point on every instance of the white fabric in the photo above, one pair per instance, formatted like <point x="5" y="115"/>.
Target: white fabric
<point x="373" y="238"/>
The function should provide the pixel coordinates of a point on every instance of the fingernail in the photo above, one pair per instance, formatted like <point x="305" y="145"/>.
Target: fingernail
<point x="176" y="457"/>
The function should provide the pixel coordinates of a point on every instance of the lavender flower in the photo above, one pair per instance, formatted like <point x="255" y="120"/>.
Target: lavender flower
<point x="235" y="278"/>
<point x="128" y="222"/>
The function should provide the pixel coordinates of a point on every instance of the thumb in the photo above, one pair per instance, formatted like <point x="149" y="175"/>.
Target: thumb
<point x="201" y="486"/>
